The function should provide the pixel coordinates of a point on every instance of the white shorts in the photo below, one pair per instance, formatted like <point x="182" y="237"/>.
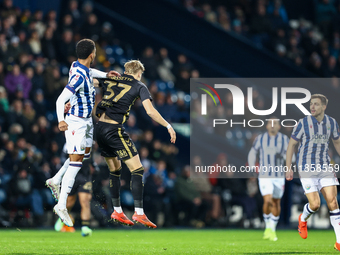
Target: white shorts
<point x="79" y="134"/>
<point x="272" y="186"/>
<point x="316" y="182"/>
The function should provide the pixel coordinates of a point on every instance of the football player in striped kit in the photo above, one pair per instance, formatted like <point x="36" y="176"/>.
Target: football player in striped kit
<point x="313" y="133"/>
<point x="78" y="124"/>
<point x="271" y="147"/>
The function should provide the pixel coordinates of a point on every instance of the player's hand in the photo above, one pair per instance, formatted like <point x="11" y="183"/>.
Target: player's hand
<point x="112" y="74"/>
<point x="95" y="83"/>
<point x="172" y="135"/>
<point x="67" y="107"/>
<point x="289" y="175"/>
<point x="62" y="126"/>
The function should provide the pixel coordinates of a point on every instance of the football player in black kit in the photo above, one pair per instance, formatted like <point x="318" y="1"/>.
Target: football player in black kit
<point x="116" y="145"/>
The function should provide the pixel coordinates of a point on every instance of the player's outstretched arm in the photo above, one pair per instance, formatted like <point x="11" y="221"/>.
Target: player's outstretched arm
<point x="99" y="74"/>
<point x="289" y="156"/>
<point x="60" y="107"/>
<point x="155" y="115"/>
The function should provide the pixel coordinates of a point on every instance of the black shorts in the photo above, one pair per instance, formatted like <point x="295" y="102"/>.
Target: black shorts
<point x="82" y="183"/>
<point x="114" y="141"/>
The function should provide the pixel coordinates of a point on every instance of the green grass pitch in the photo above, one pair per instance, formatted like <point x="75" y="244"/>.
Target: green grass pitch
<point x="176" y="241"/>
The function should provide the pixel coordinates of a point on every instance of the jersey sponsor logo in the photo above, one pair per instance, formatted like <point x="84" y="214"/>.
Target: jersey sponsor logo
<point x="320" y="138"/>
<point x="75" y="149"/>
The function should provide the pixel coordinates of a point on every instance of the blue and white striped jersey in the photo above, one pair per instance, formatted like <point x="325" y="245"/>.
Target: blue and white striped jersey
<point x="272" y="153"/>
<point x="314" y="140"/>
<point x="80" y="83"/>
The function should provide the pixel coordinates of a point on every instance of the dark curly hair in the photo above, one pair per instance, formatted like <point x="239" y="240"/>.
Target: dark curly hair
<point x="84" y="48"/>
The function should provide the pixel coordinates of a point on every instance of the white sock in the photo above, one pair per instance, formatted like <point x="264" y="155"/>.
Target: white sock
<point x="139" y="211"/>
<point x="273" y="221"/>
<point x="266" y="218"/>
<point x="67" y="183"/>
<point x="118" y="209"/>
<point x="59" y="175"/>
<point x="307" y="212"/>
<point x="335" y="221"/>
<point x="87" y="156"/>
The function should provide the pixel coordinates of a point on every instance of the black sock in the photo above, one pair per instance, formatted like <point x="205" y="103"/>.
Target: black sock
<point x="137" y="187"/>
<point x="115" y="187"/>
<point x="85" y="223"/>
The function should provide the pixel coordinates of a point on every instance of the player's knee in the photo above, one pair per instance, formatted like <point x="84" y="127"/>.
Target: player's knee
<point x="268" y="202"/>
<point x="314" y="205"/>
<point x="332" y="203"/>
<point x="115" y="169"/>
<point x="138" y="172"/>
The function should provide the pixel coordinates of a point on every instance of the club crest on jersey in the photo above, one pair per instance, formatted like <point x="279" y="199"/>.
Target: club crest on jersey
<point x="73" y="132"/>
<point x="307" y="187"/>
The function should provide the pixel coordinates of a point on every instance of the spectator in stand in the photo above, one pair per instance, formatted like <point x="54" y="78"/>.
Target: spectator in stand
<point x="189" y="199"/>
<point x="39" y="103"/>
<point x="75" y="14"/>
<point x="107" y="34"/>
<point x="7" y="8"/>
<point x="205" y="188"/>
<point x="87" y="10"/>
<point x="37" y="79"/>
<point x="40" y="26"/>
<point x="91" y="28"/>
<point x="325" y="12"/>
<point x="209" y="15"/>
<point x="165" y="66"/>
<point x="68" y="23"/>
<point x="150" y="63"/>
<point x="2" y="74"/>
<point x="275" y="7"/>
<point x="331" y="70"/>
<point x="17" y="81"/>
<point x="48" y="44"/>
<point x="66" y="48"/>
<point x="54" y="83"/>
<point x="260" y="26"/>
<point x="51" y="20"/>
<point x="14" y="49"/>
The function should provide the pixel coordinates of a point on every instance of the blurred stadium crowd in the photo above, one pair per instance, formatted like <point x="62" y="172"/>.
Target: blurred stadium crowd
<point x="36" y="50"/>
<point x="311" y="45"/>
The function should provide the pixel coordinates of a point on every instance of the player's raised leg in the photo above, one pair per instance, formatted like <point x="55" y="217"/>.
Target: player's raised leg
<point x="137" y="172"/>
<point x="115" y="171"/>
<point x="66" y="187"/>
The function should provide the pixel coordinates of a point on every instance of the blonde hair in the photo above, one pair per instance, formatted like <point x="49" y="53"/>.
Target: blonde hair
<point x="323" y="98"/>
<point x="133" y="66"/>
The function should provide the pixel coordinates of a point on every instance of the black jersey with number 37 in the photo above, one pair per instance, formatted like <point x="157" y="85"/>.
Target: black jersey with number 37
<point x="120" y="94"/>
